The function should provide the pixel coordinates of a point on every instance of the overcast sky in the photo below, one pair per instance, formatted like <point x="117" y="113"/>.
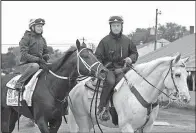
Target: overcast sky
<point x="68" y="20"/>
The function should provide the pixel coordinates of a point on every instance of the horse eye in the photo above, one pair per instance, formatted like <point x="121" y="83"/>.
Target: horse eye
<point x="177" y="75"/>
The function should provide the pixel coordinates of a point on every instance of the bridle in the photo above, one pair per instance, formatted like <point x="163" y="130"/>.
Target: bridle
<point x="88" y="67"/>
<point x="170" y="69"/>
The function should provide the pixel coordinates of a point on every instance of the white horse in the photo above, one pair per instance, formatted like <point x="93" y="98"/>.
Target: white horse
<point x="149" y="79"/>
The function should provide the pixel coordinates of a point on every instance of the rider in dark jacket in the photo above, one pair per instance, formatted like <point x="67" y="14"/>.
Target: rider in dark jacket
<point x="113" y="51"/>
<point x="33" y="50"/>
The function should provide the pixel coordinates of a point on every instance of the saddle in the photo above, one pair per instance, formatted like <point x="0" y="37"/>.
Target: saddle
<point x="12" y="93"/>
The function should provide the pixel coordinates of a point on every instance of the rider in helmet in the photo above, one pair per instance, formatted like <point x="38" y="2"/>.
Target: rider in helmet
<point x="34" y="52"/>
<point x="114" y="51"/>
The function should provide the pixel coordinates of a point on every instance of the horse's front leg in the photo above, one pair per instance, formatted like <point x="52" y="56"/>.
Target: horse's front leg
<point x="124" y="125"/>
<point x="8" y="119"/>
<point x="43" y="125"/>
<point x="126" y="128"/>
<point x="55" y="124"/>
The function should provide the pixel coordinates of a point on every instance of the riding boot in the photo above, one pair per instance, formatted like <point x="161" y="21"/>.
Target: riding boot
<point x="108" y="85"/>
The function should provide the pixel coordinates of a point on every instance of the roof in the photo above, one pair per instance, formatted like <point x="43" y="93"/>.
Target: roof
<point x="158" y="41"/>
<point x="184" y="45"/>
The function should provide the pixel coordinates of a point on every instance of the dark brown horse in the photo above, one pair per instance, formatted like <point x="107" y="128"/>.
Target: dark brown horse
<point x="48" y="100"/>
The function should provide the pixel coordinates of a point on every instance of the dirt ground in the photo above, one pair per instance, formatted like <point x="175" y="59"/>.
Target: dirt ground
<point x="179" y="120"/>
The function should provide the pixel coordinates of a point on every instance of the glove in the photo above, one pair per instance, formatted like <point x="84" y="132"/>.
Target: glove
<point x="42" y="61"/>
<point x="128" y="61"/>
<point x="118" y="70"/>
<point x="43" y="65"/>
<point x="46" y="57"/>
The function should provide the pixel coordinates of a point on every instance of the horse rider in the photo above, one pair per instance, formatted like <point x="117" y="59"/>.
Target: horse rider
<point x="34" y="52"/>
<point x="115" y="51"/>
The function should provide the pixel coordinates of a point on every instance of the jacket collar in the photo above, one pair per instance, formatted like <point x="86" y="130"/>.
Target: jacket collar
<point x="114" y="36"/>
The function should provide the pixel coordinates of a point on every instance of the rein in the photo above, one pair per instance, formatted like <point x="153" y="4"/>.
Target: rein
<point x="84" y="63"/>
<point x="145" y="104"/>
<point x="170" y="68"/>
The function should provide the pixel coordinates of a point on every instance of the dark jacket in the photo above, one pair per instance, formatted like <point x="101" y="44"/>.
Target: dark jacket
<point x="112" y="49"/>
<point x="32" y="47"/>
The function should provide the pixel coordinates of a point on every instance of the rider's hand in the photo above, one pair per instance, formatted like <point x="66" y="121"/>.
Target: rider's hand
<point x="42" y="61"/>
<point x="119" y="70"/>
<point x="43" y="64"/>
<point x="128" y="61"/>
<point x="46" y="57"/>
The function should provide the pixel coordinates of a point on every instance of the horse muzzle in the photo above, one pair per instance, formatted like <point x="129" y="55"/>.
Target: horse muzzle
<point x="102" y="73"/>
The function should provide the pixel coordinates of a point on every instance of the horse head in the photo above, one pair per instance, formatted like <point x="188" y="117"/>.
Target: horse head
<point x="87" y="63"/>
<point x="177" y="81"/>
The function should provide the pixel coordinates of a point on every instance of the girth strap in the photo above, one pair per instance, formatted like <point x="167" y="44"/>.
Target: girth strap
<point x="148" y="106"/>
<point x="142" y="100"/>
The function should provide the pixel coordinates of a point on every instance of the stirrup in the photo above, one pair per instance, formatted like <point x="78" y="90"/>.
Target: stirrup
<point x="104" y="114"/>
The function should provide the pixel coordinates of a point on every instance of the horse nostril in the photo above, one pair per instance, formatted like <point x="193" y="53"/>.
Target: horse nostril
<point x="185" y="100"/>
<point x="102" y="71"/>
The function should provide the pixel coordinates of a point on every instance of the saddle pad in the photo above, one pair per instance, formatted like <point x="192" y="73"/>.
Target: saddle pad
<point x="12" y="94"/>
<point x="90" y="85"/>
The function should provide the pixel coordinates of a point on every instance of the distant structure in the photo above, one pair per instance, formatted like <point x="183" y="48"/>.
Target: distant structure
<point x="146" y="48"/>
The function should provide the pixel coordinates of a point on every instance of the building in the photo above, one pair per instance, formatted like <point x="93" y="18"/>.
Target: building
<point x="146" y="48"/>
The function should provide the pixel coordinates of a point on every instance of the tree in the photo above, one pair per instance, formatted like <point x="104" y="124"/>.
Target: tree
<point x="8" y="60"/>
<point x="171" y="31"/>
<point x="139" y="35"/>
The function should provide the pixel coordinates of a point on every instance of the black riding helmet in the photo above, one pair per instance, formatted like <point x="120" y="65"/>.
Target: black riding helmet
<point x="116" y="19"/>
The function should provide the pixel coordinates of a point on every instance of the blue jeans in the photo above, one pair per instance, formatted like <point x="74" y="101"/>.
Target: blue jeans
<point x="30" y="70"/>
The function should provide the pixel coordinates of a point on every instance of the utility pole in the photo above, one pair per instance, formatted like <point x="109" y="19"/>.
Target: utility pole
<point x="155" y="43"/>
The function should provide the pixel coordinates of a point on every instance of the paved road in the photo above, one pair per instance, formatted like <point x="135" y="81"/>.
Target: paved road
<point x="179" y="120"/>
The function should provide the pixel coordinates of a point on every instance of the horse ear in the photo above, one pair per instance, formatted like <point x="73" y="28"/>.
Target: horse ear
<point x="177" y="57"/>
<point x="185" y="59"/>
<point x="78" y="44"/>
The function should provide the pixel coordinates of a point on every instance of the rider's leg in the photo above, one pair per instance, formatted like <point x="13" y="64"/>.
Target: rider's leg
<point x="107" y="88"/>
<point x="31" y="69"/>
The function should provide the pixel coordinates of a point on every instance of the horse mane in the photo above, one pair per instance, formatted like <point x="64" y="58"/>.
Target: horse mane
<point x="148" y="67"/>
<point x="59" y="62"/>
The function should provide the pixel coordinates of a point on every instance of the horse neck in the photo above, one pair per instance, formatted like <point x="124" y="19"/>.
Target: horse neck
<point x="68" y="69"/>
<point x="154" y="72"/>
<point x="156" y="78"/>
